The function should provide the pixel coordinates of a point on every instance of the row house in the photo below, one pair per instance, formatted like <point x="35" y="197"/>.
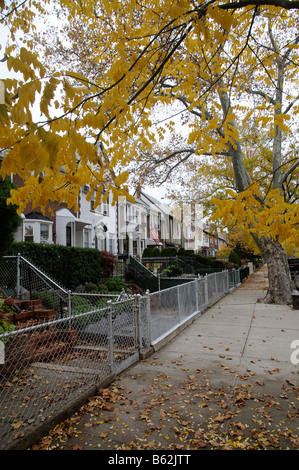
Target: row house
<point x="212" y="242"/>
<point x="164" y="225"/>
<point x="125" y="228"/>
<point x="121" y="229"/>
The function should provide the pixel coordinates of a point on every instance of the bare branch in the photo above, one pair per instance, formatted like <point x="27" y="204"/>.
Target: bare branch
<point x="290" y="170"/>
<point x="286" y="4"/>
<point x="260" y="93"/>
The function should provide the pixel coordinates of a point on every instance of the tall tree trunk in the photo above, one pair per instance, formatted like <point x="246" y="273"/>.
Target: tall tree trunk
<point x="279" y="276"/>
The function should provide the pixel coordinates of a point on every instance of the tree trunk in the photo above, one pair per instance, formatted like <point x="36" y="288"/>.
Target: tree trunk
<point x="279" y="276"/>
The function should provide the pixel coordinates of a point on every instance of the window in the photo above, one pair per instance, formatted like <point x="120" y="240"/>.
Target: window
<point x="68" y="236"/>
<point x="103" y="207"/>
<point x="92" y="202"/>
<point x="101" y="243"/>
<point x="44" y="233"/>
<point x="28" y="233"/>
<point x="86" y="239"/>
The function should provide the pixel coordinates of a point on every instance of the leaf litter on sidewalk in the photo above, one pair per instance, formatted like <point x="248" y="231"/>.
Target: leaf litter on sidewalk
<point x="196" y="414"/>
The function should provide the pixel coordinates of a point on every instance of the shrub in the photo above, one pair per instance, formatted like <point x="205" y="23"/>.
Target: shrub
<point x="217" y="263"/>
<point x="10" y="220"/>
<point x="227" y="265"/>
<point x="152" y="252"/>
<point x="68" y="266"/>
<point x="5" y="327"/>
<point x="234" y="258"/>
<point x="91" y="287"/>
<point x="108" y="261"/>
<point x="102" y="289"/>
<point x="170" y="251"/>
<point x="173" y="270"/>
<point x="183" y="252"/>
<point x="203" y="260"/>
<point x="147" y="252"/>
<point x="114" y="284"/>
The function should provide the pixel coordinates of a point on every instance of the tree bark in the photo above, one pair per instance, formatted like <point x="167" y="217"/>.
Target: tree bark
<point x="279" y="276"/>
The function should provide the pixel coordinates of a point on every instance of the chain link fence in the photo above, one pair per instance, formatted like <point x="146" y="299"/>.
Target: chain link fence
<point x="49" y="363"/>
<point x="172" y="307"/>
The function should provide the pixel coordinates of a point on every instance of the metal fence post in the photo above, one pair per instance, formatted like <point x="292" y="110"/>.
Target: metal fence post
<point x="226" y="281"/>
<point x="238" y="276"/>
<point x="196" y="294"/>
<point x="138" y="323"/>
<point x="179" y="304"/>
<point x="18" y="287"/>
<point x="216" y="285"/>
<point x="110" y="336"/>
<point x="206" y="290"/>
<point x="69" y="303"/>
<point x="69" y="308"/>
<point x="148" y="317"/>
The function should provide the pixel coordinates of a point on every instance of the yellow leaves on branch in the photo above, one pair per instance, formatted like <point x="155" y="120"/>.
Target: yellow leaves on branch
<point x="136" y="40"/>
<point x="268" y="216"/>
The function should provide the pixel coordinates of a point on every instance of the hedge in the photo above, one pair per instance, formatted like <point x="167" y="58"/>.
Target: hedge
<point x="68" y="266"/>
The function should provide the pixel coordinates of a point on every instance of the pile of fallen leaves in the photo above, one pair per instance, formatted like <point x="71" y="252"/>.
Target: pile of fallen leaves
<point x="195" y="415"/>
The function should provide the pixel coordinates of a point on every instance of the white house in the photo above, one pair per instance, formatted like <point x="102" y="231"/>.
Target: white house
<point x="132" y="221"/>
<point x="125" y="228"/>
<point x="164" y="224"/>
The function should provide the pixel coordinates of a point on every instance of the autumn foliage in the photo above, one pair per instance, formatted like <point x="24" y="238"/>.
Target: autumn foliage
<point x="82" y="108"/>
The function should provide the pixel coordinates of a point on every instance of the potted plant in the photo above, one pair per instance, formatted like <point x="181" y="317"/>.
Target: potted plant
<point x="173" y="271"/>
<point x="7" y="310"/>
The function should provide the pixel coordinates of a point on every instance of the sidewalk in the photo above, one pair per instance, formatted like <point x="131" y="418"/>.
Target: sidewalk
<point x="226" y="382"/>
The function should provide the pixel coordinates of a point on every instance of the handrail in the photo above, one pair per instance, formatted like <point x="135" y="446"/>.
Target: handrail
<point x="38" y="271"/>
<point x="143" y="268"/>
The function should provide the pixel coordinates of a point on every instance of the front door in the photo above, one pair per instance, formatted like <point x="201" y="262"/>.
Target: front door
<point x="68" y="235"/>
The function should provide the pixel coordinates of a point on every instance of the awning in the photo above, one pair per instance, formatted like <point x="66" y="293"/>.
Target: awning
<point x="69" y="217"/>
<point x="130" y="228"/>
<point x="150" y="242"/>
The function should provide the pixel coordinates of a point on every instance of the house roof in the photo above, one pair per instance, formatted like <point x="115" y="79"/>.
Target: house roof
<point x="163" y="207"/>
<point x="37" y="216"/>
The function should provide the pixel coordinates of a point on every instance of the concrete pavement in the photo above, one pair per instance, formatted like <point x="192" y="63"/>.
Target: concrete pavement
<point x="228" y="381"/>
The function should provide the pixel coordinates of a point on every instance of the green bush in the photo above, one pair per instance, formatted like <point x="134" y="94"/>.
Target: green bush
<point x="91" y="287"/>
<point x="217" y="263"/>
<point x="68" y="266"/>
<point x="234" y="258"/>
<point x="147" y="252"/>
<point x="173" y="270"/>
<point x="80" y="305"/>
<point x="102" y="289"/>
<point x="170" y="251"/>
<point x="151" y="252"/>
<point x="114" y="284"/>
<point x="203" y="260"/>
<point x="10" y="220"/>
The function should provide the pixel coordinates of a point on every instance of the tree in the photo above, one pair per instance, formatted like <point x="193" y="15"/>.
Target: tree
<point x="205" y="56"/>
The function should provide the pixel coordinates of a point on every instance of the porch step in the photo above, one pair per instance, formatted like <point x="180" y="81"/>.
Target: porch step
<point x="30" y="311"/>
<point x="31" y="305"/>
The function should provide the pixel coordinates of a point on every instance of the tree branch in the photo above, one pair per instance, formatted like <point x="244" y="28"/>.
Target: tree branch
<point x="290" y="171"/>
<point x="286" y="4"/>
